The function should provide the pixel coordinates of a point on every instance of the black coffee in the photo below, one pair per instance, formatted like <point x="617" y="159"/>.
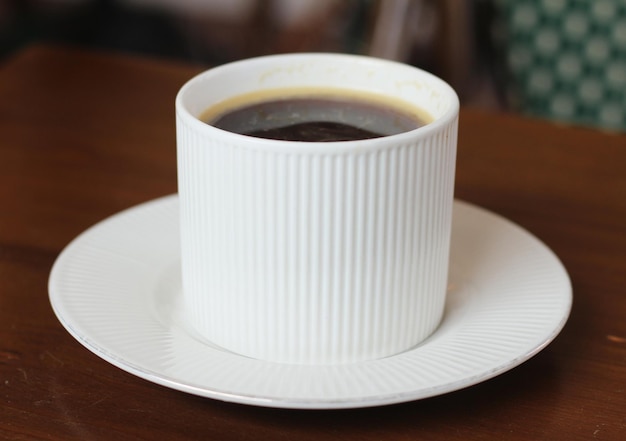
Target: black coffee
<point x="317" y="119"/>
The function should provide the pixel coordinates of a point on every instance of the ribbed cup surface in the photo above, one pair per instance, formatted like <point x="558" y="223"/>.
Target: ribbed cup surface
<point x="315" y="258"/>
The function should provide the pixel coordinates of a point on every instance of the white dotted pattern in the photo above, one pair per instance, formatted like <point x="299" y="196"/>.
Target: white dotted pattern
<point x="567" y="59"/>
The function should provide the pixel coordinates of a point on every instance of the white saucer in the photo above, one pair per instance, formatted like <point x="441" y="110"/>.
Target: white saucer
<point x="116" y="289"/>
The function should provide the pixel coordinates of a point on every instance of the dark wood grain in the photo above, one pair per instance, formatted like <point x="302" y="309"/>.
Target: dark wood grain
<point x="84" y="135"/>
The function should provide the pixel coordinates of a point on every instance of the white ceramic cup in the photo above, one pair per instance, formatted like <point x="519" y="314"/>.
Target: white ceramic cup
<point x="315" y="253"/>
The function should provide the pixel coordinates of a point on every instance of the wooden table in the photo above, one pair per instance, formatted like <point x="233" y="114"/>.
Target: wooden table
<point x="85" y="135"/>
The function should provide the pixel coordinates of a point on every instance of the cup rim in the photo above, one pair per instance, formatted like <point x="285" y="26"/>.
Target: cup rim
<point x="250" y="142"/>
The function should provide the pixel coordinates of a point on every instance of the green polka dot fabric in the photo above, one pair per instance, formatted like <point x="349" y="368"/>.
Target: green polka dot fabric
<point x="566" y="59"/>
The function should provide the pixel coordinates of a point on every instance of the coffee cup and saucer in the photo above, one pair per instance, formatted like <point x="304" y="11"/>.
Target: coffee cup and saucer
<point x="328" y="272"/>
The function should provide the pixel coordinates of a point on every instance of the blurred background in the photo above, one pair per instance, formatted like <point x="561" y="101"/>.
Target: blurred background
<point x="563" y="60"/>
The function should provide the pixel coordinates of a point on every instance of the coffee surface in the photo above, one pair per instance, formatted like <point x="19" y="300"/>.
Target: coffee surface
<point x="317" y="119"/>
